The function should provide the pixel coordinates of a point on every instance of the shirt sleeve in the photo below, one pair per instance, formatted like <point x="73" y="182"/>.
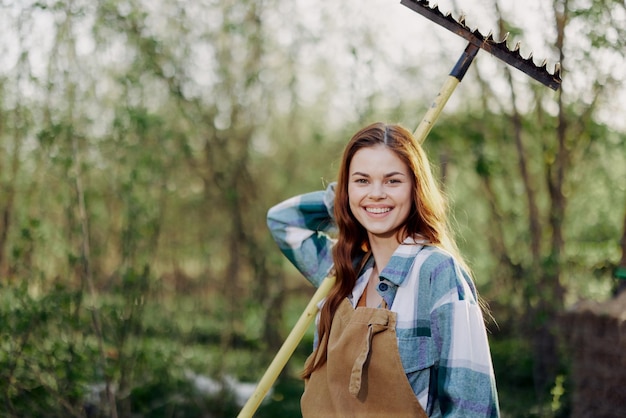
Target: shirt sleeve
<point x="465" y="377"/>
<point x="302" y="227"/>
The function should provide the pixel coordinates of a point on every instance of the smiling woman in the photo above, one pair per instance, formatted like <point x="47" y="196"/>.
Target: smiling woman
<point x="403" y="317"/>
<point x="380" y="193"/>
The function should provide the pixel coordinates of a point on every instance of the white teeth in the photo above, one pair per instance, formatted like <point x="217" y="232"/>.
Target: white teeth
<point x="378" y="210"/>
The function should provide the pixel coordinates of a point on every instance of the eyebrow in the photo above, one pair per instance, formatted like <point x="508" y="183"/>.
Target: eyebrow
<point x="393" y="173"/>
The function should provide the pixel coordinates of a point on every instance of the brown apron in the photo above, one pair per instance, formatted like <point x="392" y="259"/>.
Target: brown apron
<point x="363" y="376"/>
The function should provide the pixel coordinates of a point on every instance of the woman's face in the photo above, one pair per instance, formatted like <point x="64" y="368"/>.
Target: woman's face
<point x="379" y="191"/>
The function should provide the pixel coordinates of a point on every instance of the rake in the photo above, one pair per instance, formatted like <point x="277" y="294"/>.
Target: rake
<point x="476" y="41"/>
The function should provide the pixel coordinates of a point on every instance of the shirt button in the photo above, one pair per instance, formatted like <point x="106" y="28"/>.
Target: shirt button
<point x="383" y="287"/>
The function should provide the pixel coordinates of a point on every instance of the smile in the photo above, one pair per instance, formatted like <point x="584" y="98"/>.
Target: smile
<point x="377" y="210"/>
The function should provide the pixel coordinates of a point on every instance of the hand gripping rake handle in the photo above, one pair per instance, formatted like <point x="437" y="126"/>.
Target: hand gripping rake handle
<point x="476" y="42"/>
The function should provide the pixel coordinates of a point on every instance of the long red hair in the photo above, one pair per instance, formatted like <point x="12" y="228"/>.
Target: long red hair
<point x="428" y="218"/>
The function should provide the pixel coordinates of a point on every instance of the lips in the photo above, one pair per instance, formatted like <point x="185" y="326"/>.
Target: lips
<point x="377" y="210"/>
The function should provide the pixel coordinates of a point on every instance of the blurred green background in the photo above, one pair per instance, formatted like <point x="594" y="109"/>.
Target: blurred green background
<point x="142" y="142"/>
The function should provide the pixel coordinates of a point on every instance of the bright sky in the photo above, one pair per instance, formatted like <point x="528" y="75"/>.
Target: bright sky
<point x="408" y="35"/>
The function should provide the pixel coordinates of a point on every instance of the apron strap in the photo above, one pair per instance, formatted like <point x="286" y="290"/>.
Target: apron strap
<point x="375" y="326"/>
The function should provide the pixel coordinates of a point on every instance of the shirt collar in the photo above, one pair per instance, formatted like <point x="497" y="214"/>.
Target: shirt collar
<point x="401" y="261"/>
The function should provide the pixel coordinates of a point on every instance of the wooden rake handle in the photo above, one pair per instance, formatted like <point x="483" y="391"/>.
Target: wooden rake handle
<point x="453" y="80"/>
<point x="286" y="350"/>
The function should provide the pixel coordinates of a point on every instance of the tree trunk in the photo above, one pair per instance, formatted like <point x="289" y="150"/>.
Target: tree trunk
<point x="550" y="291"/>
<point x="9" y="198"/>
<point x="621" y="268"/>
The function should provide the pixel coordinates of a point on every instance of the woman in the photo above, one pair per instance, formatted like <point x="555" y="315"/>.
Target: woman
<point x="401" y="333"/>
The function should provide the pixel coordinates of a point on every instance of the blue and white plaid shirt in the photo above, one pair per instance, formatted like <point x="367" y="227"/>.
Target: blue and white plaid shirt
<point x="441" y="333"/>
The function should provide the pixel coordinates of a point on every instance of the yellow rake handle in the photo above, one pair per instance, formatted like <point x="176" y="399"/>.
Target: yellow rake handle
<point x="453" y="80"/>
<point x="432" y="114"/>
<point x="286" y="350"/>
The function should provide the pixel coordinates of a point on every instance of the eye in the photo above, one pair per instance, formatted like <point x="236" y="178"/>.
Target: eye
<point x="361" y="181"/>
<point x="394" y="181"/>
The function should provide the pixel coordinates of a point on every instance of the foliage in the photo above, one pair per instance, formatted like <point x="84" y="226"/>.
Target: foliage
<point x="50" y="362"/>
<point x="45" y="360"/>
<point x="54" y="372"/>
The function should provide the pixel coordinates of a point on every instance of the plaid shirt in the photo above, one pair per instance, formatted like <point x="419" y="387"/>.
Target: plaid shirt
<point x="441" y="334"/>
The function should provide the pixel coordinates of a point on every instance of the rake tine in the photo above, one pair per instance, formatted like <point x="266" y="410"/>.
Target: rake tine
<point x="498" y="49"/>
<point x="476" y="41"/>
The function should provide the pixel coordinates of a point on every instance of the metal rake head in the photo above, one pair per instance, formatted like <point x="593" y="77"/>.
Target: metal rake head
<point x="497" y="48"/>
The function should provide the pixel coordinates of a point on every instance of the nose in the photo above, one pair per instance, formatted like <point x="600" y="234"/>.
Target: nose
<point x="377" y="192"/>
